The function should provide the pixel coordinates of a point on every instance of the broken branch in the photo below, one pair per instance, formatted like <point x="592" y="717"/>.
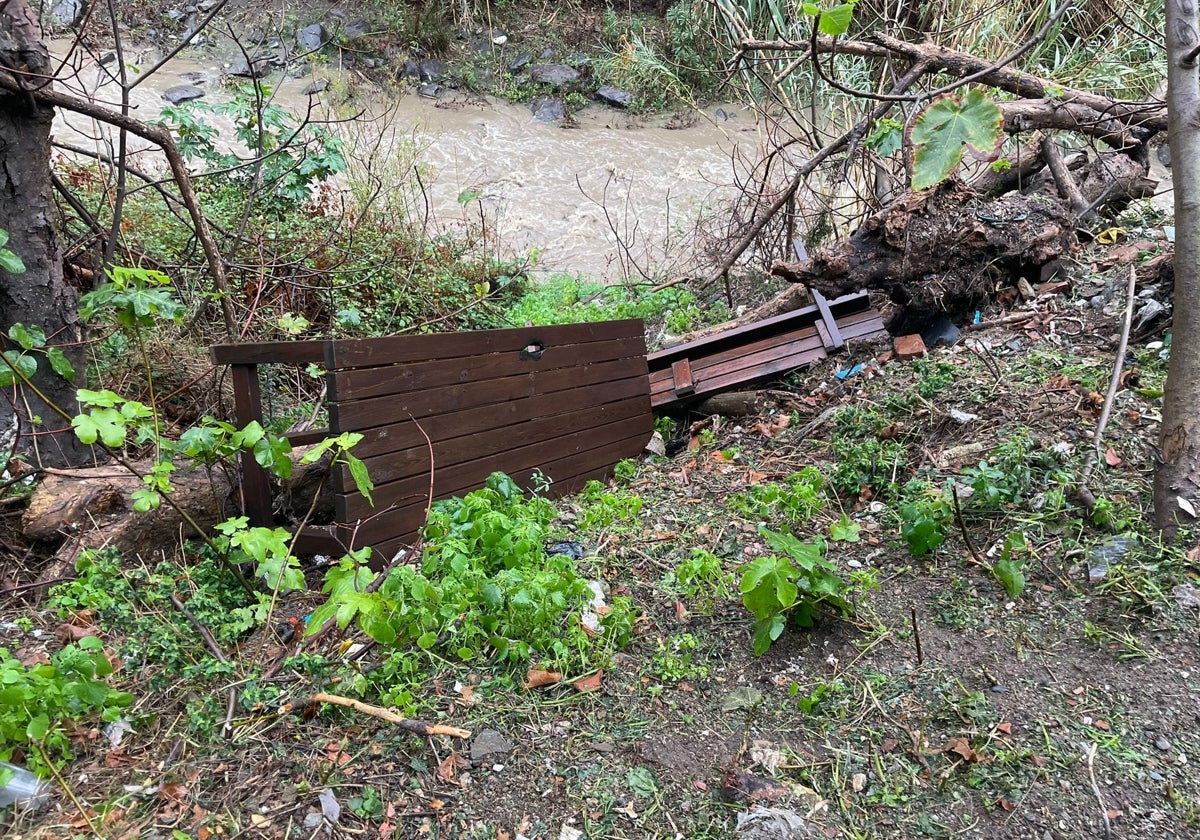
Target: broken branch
<point x="418" y="727"/>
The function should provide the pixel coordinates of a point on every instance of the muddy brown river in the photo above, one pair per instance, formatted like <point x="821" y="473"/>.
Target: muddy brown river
<point x="539" y="185"/>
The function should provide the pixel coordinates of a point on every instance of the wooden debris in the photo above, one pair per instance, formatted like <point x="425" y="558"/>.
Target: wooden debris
<point x="418" y="727"/>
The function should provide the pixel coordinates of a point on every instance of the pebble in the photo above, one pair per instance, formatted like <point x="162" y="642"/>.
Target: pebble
<point x="1162" y="744"/>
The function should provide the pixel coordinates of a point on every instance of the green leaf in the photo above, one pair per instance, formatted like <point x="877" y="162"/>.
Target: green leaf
<point x="1010" y="575"/>
<point x="766" y="631"/>
<point x="104" y="399"/>
<point x="642" y="782"/>
<point x="768" y="586"/>
<point x="835" y="21"/>
<point x="947" y="128"/>
<point x="427" y="640"/>
<point x="38" y="727"/>
<point x="107" y="424"/>
<point x="26" y="366"/>
<point x="60" y="363"/>
<point x="358" y="472"/>
<point x="10" y="262"/>
<point x="887" y="137"/>
<point x="844" y="530"/>
<point x="27" y="337"/>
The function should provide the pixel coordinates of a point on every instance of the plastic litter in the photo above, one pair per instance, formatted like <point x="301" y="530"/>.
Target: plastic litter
<point x="850" y="371"/>
<point x="1106" y="555"/>
<point x="572" y="549"/>
<point x="942" y="330"/>
<point x="24" y="789"/>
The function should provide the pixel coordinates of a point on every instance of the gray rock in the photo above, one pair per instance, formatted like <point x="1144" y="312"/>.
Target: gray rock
<point x="207" y="5"/>
<point x="614" y="96"/>
<point x="548" y="108"/>
<point x="256" y="68"/>
<point x="68" y="12"/>
<point x="429" y="91"/>
<point x="519" y="63"/>
<point x="313" y="88"/>
<point x="555" y="75"/>
<point x="356" y="28"/>
<point x="546" y="53"/>
<point x="311" y="37"/>
<point x="176" y="14"/>
<point x="182" y="93"/>
<point x="429" y="70"/>
<point x="489" y="743"/>
<point x="1162" y="744"/>
<point x="194" y="77"/>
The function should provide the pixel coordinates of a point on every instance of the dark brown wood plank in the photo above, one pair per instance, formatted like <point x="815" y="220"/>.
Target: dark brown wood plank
<point x="404" y="433"/>
<point x="748" y="358"/>
<point x="319" y="541"/>
<point x="681" y="376"/>
<point x="265" y="352"/>
<point x="512" y="460"/>
<point x="365" y="383"/>
<point x="447" y="452"/>
<point x="830" y="323"/>
<point x="306" y="438"/>
<point x="417" y="348"/>
<point x="365" y="414"/>
<point x="247" y="407"/>
<point x="404" y="520"/>
<point x="750" y="332"/>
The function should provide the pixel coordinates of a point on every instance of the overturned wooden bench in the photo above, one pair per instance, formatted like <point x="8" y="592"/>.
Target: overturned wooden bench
<point x="759" y="352"/>
<point x="569" y="401"/>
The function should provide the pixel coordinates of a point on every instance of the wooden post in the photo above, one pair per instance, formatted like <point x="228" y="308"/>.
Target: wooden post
<point x="247" y="407"/>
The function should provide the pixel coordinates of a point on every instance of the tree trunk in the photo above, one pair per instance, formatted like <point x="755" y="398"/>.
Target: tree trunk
<point x="1177" y="481"/>
<point x="38" y="297"/>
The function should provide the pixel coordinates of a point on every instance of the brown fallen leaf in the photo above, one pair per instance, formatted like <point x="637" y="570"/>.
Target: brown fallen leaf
<point x="67" y="633"/>
<point x="1111" y="457"/>
<point x="449" y="766"/>
<point x="589" y="683"/>
<point x="962" y="747"/>
<point x="537" y="678"/>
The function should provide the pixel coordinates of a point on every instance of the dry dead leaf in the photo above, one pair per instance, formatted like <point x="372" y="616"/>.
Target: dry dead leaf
<point x="449" y="766"/>
<point x="67" y="633"/>
<point x="962" y="747"/>
<point x="1111" y="457"/>
<point x="537" y="678"/>
<point x="589" y="683"/>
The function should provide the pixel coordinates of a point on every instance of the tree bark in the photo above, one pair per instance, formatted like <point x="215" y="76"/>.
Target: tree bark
<point x="38" y="297"/>
<point x="1177" y="480"/>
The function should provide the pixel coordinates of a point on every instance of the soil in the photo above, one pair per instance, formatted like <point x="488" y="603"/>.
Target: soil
<point x="942" y="708"/>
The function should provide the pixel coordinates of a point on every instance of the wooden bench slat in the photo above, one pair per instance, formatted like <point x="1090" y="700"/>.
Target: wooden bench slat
<point x="356" y="353"/>
<point x="526" y="456"/>
<point x="414" y="460"/>
<point x="365" y="383"/>
<point x="434" y="402"/>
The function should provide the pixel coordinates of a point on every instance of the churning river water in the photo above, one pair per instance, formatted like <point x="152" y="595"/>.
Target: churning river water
<point x="539" y="185"/>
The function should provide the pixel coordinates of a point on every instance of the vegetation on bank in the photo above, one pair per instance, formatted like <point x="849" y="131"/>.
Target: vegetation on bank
<point x="675" y="596"/>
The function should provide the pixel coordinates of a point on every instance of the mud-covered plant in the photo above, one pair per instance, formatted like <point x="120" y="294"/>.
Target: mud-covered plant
<point x="795" y="583"/>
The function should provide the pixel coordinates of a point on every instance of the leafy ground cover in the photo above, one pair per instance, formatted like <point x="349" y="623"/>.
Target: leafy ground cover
<point x="951" y="645"/>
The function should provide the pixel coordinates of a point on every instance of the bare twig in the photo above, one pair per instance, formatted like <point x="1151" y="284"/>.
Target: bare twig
<point x="418" y="727"/>
<point x="1090" y="753"/>
<point x="1113" y="387"/>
